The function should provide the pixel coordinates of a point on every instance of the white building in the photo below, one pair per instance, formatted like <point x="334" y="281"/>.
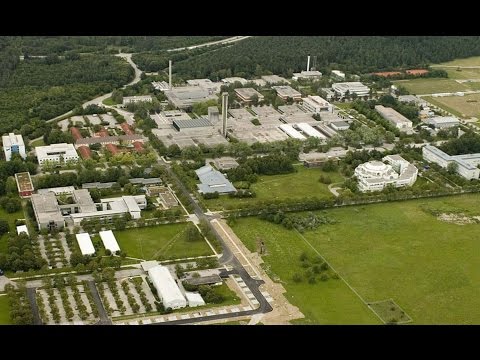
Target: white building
<point x="167" y="288"/>
<point x="134" y="99"/>
<point x="375" y="175"/>
<point x="109" y="241"/>
<point x="85" y="244"/>
<point x="290" y="131"/>
<point x="233" y="80"/>
<point x="467" y="165"/>
<point x="194" y="299"/>
<point x="354" y="87"/>
<point x="56" y="153"/>
<point x="310" y="131"/>
<point x="395" y="118"/>
<point x="307" y="75"/>
<point x="13" y="144"/>
<point x="284" y="92"/>
<point x="22" y="229"/>
<point x="316" y="104"/>
<point x="339" y="74"/>
<point x="441" y="122"/>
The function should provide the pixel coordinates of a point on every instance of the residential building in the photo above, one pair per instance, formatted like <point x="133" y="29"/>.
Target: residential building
<point x="246" y="94"/>
<point x="394" y="117"/>
<point x="284" y="92"/>
<point x="441" y="122"/>
<point x="316" y="104"/>
<point x="24" y="184"/>
<point x="395" y="170"/>
<point x="307" y="75"/>
<point x="56" y="153"/>
<point x="466" y="165"/>
<point x="167" y="289"/>
<point x="212" y="180"/>
<point x="13" y="144"/>
<point x="354" y="87"/>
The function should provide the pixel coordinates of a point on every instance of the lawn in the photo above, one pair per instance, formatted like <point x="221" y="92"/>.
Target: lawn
<point x="431" y="85"/>
<point x="471" y="61"/>
<point x="302" y="184"/>
<point x="11" y="221"/>
<point x="164" y="241"/>
<point x="397" y="251"/>
<point x="38" y="142"/>
<point x="463" y="106"/>
<point x="462" y="74"/>
<point x="4" y="311"/>
<point x="109" y="101"/>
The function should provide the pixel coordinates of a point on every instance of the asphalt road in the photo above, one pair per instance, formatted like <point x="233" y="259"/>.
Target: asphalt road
<point x="104" y="319"/>
<point x="33" y="305"/>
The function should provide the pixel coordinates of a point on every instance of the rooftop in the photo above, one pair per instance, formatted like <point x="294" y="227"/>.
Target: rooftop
<point x="24" y="182"/>
<point x="213" y="181"/>
<point x="191" y="123"/>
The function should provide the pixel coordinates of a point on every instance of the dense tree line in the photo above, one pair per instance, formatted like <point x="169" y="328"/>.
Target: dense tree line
<point x="468" y="143"/>
<point x="20" y="311"/>
<point x="266" y="165"/>
<point x="20" y="255"/>
<point x="286" y="54"/>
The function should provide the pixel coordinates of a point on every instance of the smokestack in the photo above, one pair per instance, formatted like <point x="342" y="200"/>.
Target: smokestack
<point x="308" y="63"/>
<point x="170" y="74"/>
<point x="224" y="113"/>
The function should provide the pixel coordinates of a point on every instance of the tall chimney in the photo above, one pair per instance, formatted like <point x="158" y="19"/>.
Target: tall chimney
<point x="224" y="113"/>
<point x="170" y="74"/>
<point x="308" y="63"/>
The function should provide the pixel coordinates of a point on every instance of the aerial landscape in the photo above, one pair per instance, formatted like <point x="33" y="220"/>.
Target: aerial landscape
<point x="239" y="180"/>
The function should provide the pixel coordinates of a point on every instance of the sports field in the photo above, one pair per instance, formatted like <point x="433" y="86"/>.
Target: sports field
<point x="164" y="241"/>
<point x="4" y="311"/>
<point x="399" y="251"/>
<point x="462" y="106"/>
<point x="302" y="184"/>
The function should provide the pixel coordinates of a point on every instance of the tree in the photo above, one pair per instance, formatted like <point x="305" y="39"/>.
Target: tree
<point x="452" y="167"/>
<point x="4" y="227"/>
<point x="11" y="185"/>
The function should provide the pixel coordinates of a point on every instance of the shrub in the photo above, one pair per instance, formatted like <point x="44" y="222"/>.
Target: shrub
<point x="324" y="277"/>
<point x="297" y="278"/>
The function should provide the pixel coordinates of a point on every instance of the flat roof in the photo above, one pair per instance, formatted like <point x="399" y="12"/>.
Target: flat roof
<point x="46" y="207"/>
<point x="84" y="201"/>
<point x="12" y="139"/>
<point x="392" y="115"/>
<point x="57" y="190"/>
<point x="166" y="286"/>
<point x="192" y="123"/>
<point x="203" y="280"/>
<point x="104" y="139"/>
<point x="24" y="181"/>
<point x="288" y="91"/>
<point x="247" y="93"/>
<point x="53" y="149"/>
<point x="22" y="228"/>
<point x="85" y="244"/>
<point x="109" y="241"/>
<point x="213" y="181"/>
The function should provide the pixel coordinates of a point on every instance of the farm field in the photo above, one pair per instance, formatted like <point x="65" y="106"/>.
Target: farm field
<point x="302" y="184"/>
<point x="164" y="241"/>
<point x="462" y="106"/>
<point x="399" y="251"/>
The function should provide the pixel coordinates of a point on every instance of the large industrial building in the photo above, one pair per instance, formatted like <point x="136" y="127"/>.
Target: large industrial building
<point x="316" y="104"/>
<point x="50" y="215"/>
<point x="395" y="118"/>
<point x="375" y="175"/>
<point x="167" y="289"/>
<point x="184" y="97"/>
<point x="441" y="122"/>
<point x="307" y="75"/>
<point x="467" y="164"/>
<point x="213" y="181"/>
<point x="13" y="144"/>
<point x="352" y="87"/>
<point x="284" y="92"/>
<point x="56" y="153"/>
<point x="247" y="94"/>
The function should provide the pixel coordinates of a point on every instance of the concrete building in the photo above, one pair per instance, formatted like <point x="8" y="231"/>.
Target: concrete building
<point x="167" y="289"/>
<point x="61" y="190"/>
<point x="441" y="122"/>
<point x="408" y="99"/>
<point x="353" y="87"/>
<point x="160" y="85"/>
<point x="207" y="84"/>
<point x="191" y="123"/>
<point x="22" y="229"/>
<point x="316" y="104"/>
<point x="184" y="97"/>
<point x="135" y="99"/>
<point x="394" y="117"/>
<point x="213" y="181"/>
<point x="194" y="299"/>
<point x="284" y="92"/>
<point x="56" y="153"/>
<point x="246" y="94"/>
<point x="24" y="184"/>
<point x="375" y="175"/>
<point x="293" y="133"/>
<point x="85" y="243"/>
<point x="338" y="74"/>
<point x="307" y="75"/>
<point x="13" y="144"/>
<point x="329" y="93"/>
<point x="310" y="131"/>
<point x="274" y="79"/>
<point x="109" y="241"/>
<point x="47" y="212"/>
<point x="467" y="164"/>
<point x="233" y="80"/>
<point x="340" y="125"/>
<point x="224" y="163"/>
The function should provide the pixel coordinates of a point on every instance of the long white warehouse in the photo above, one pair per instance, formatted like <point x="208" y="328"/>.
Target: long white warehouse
<point x="290" y="131"/>
<point x="109" y="241"/>
<point x="85" y="243"/>
<point x="310" y="131"/>
<point x="167" y="288"/>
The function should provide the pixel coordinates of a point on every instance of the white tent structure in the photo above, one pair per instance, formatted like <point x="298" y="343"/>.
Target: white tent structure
<point x="22" y="228"/>
<point x="85" y="243"/>
<point x="167" y="288"/>
<point x="109" y="241"/>
<point x="194" y="299"/>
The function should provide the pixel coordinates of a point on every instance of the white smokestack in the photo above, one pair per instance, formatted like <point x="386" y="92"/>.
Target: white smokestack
<point x="308" y="63"/>
<point x="224" y="113"/>
<point x="170" y="73"/>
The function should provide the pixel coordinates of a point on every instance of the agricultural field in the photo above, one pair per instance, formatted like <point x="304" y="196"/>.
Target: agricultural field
<point x="462" y="106"/>
<point x="422" y="254"/>
<point x="164" y="241"/>
<point x="432" y="85"/>
<point x="302" y="184"/>
<point x="471" y="61"/>
<point x="4" y="311"/>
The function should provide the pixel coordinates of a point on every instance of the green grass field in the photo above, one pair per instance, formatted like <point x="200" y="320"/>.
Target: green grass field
<point x="431" y="85"/>
<point x="108" y="101"/>
<point x="471" y="61"/>
<point x="398" y="251"/>
<point x="4" y="311"/>
<point x="38" y="142"/>
<point x="462" y="106"/>
<point x="11" y="221"/>
<point x="462" y="74"/>
<point x="301" y="184"/>
<point x="165" y="241"/>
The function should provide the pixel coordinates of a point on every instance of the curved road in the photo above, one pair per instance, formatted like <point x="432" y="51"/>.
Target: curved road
<point x="224" y="41"/>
